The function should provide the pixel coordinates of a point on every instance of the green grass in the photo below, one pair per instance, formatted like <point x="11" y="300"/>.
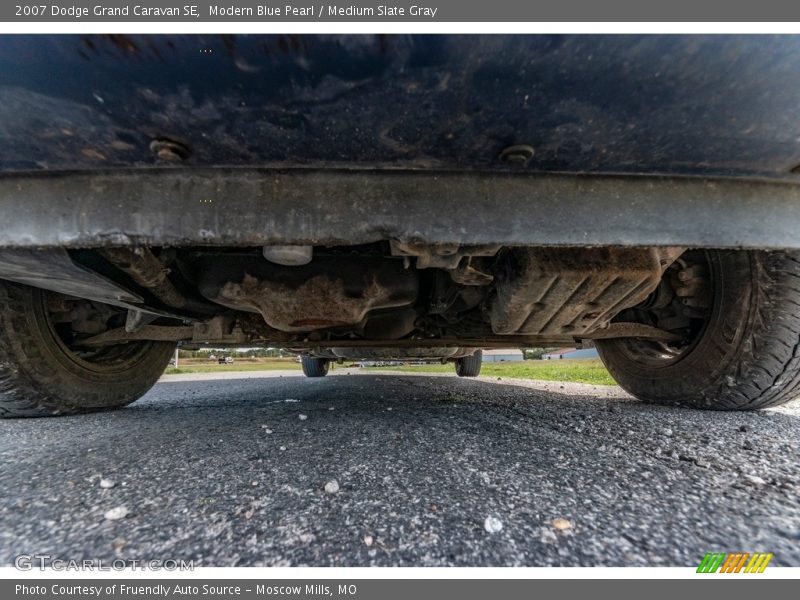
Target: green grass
<point x="188" y="366"/>
<point x="577" y="371"/>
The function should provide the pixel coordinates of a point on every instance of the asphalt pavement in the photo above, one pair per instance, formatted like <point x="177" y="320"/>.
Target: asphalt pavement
<point x="388" y="469"/>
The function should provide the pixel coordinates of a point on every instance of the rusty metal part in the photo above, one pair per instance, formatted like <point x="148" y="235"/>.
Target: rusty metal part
<point x="572" y="291"/>
<point x="146" y="270"/>
<point x="441" y="256"/>
<point x="254" y="207"/>
<point x="147" y="332"/>
<point x="469" y="272"/>
<point x="253" y="328"/>
<point x="633" y="330"/>
<point x="512" y="341"/>
<point x="455" y="258"/>
<point x="321" y="302"/>
<point x="327" y="293"/>
<point x="405" y="353"/>
<point x="220" y="330"/>
<point x="224" y="330"/>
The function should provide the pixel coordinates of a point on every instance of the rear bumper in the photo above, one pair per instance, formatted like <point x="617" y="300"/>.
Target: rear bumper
<point x="252" y="207"/>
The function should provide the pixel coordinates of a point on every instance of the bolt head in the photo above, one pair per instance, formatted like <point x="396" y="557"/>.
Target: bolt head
<point x="169" y="150"/>
<point x="518" y="155"/>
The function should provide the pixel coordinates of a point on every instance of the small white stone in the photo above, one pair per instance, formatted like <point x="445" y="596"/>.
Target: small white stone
<point x="330" y="408"/>
<point x="302" y="417"/>
<point x="493" y="524"/>
<point x="332" y="487"/>
<point x="561" y="524"/>
<point x="755" y="479"/>
<point x="106" y="484"/>
<point x="368" y="540"/>
<point x="116" y="513"/>
<point x="547" y="536"/>
<point x="282" y="448"/>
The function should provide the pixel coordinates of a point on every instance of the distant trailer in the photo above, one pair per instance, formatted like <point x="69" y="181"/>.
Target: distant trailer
<point x="508" y="355"/>
<point x="563" y="353"/>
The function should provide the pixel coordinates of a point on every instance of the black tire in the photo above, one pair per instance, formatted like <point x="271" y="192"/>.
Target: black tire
<point x="40" y="376"/>
<point x="747" y="355"/>
<point x="315" y="367"/>
<point x="470" y="366"/>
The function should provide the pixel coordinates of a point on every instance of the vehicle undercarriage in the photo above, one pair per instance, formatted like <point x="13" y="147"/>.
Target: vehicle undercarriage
<point x="348" y="197"/>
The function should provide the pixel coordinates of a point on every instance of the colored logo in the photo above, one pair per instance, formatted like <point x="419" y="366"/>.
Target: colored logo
<point x="734" y="562"/>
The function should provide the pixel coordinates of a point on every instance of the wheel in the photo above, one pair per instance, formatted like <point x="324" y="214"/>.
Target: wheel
<point x="469" y="366"/>
<point x="737" y="313"/>
<point x="315" y="367"/>
<point x="41" y="374"/>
